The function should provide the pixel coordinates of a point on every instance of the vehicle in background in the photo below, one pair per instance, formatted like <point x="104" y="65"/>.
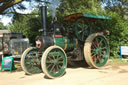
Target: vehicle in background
<point x="12" y="44"/>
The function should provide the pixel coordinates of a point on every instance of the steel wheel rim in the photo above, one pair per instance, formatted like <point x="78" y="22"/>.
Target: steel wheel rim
<point x="99" y="51"/>
<point x="31" y="62"/>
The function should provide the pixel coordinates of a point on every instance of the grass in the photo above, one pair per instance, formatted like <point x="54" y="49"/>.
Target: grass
<point x="118" y="61"/>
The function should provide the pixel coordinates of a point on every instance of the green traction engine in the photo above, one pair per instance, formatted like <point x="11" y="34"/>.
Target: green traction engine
<point x="56" y="46"/>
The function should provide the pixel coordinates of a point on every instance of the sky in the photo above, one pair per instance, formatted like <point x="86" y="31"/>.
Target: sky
<point x="7" y="19"/>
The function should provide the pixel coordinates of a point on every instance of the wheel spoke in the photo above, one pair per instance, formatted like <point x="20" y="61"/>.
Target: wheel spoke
<point x="49" y="66"/>
<point x="53" y="57"/>
<point x="96" y="39"/>
<point x="93" y="50"/>
<point x="100" y="43"/>
<point x="27" y="63"/>
<point x="104" y="48"/>
<point x="50" y="57"/>
<point x="57" y="67"/>
<point x="94" y="55"/>
<point x="60" y="58"/>
<point x="60" y="62"/>
<point x="48" y="62"/>
<point x="52" y="68"/>
<point x="94" y="45"/>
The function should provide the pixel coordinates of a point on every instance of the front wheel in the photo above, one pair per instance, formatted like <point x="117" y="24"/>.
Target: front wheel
<point x="30" y="61"/>
<point x="54" y="62"/>
<point x="96" y="50"/>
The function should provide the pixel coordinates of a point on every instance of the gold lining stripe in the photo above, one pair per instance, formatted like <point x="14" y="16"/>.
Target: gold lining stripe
<point x="66" y="43"/>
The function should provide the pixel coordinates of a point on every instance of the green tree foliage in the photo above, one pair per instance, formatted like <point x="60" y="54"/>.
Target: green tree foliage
<point x="2" y="26"/>
<point x="29" y="25"/>
<point x="76" y="6"/>
<point x="119" y="32"/>
<point x="118" y="6"/>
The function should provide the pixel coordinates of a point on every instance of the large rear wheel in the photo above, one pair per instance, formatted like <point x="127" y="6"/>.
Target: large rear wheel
<point x="54" y="62"/>
<point x="96" y="50"/>
<point x="30" y="61"/>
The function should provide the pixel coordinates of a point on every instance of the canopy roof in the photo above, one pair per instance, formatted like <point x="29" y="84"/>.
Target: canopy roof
<point x="89" y="17"/>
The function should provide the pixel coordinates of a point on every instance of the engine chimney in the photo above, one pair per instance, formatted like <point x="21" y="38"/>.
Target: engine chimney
<point x="44" y="19"/>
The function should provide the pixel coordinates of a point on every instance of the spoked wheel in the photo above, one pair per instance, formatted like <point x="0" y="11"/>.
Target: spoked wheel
<point x="30" y="61"/>
<point x="96" y="50"/>
<point x="54" y="62"/>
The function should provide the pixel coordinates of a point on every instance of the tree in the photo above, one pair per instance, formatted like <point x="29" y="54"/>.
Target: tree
<point x="124" y="8"/>
<point x="75" y="6"/>
<point x="12" y="5"/>
<point x="118" y="6"/>
<point x="5" y="4"/>
<point x="2" y="26"/>
<point x="29" y="25"/>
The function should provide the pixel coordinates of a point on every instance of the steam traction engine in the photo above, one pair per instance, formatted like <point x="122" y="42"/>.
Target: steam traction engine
<point x="55" y="46"/>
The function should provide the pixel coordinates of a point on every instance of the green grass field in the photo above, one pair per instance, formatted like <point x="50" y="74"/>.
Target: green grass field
<point x="118" y="61"/>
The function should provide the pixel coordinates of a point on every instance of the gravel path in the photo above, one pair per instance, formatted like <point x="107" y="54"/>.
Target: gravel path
<point x="108" y="75"/>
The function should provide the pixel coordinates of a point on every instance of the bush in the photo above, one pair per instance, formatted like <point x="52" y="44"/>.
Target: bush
<point x="118" y="34"/>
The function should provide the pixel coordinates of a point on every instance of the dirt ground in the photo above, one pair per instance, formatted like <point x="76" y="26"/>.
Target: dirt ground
<point x="108" y="75"/>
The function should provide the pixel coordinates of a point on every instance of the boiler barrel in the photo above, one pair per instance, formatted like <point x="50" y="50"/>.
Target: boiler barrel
<point x="66" y="43"/>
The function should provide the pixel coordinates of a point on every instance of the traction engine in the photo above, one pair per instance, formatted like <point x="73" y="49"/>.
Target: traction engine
<point x="55" y="47"/>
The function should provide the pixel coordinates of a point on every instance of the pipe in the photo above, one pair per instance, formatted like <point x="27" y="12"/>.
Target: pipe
<point x="44" y="19"/>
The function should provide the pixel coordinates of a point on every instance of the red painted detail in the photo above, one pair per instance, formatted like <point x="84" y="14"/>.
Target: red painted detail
<point x="57" y="36"/>
<point x="95" y="43"/>
<point x="94" y="59"/>
<point x="38" y="43"/>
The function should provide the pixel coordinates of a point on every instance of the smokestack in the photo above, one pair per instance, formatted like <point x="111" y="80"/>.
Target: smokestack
<point x="44" y="19"/>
